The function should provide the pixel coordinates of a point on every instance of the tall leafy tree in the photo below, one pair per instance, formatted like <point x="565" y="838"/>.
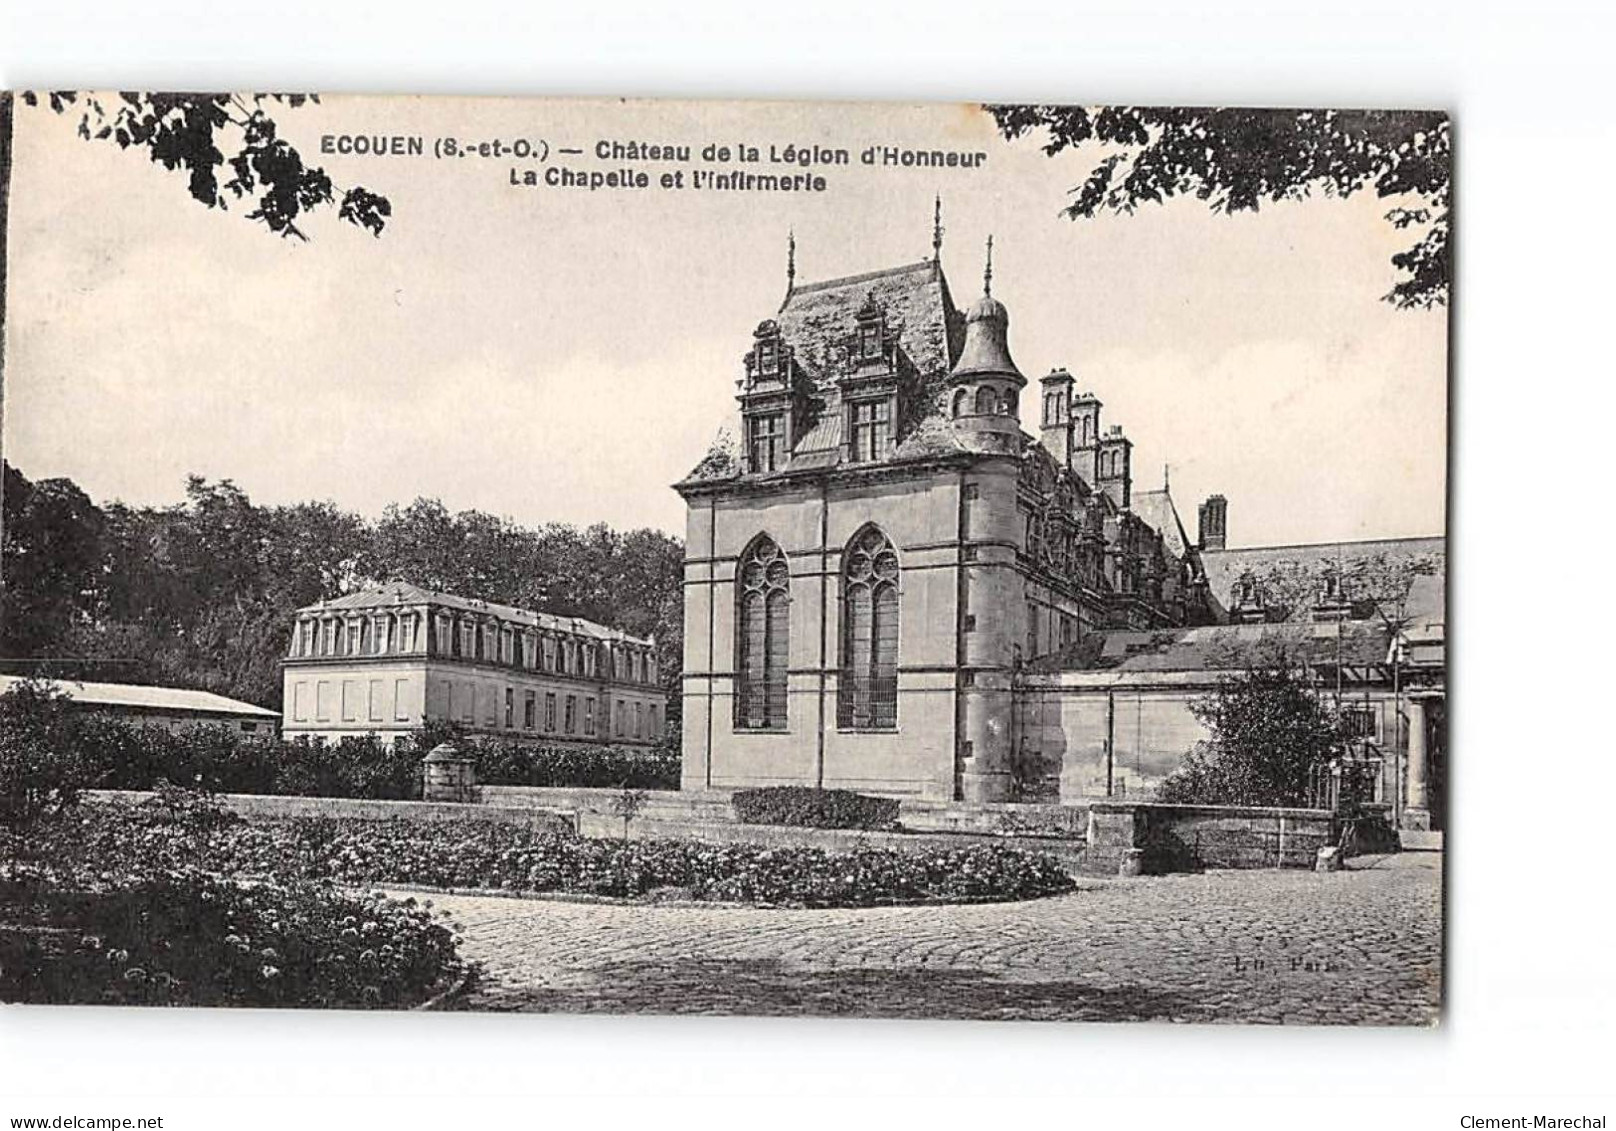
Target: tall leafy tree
<point x="1237" y="160"/>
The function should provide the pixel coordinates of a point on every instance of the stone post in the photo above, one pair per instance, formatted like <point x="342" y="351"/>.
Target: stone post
<point x="448" y="775"/>
<point x="1417" y="807"/>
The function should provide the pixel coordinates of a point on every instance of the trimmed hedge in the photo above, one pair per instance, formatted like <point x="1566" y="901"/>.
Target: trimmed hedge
<point x="39" y="733"/>
<point x="814" y="808"/>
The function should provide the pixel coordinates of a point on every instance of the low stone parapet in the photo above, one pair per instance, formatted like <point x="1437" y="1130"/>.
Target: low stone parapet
<point x="552" y="820"/>
<point x="1183" y="838"/>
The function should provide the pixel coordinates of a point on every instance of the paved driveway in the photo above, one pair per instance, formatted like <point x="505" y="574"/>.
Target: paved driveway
<point x="1356" y="947"/>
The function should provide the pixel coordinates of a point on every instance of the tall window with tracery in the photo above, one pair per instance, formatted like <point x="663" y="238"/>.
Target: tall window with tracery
<point x="763" y="597"/>
<point x="868" y="698"/>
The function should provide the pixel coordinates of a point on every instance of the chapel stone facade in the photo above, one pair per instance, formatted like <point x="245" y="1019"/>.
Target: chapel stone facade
<point x="886" y="549"/>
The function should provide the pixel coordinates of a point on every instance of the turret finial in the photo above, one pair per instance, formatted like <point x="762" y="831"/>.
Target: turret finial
<point x="791" y="257"/>
<point x="987" y="270"/>
<point x="937" y="229"/>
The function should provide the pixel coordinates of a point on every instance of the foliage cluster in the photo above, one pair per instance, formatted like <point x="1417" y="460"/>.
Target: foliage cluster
<point x="814" y="808"/>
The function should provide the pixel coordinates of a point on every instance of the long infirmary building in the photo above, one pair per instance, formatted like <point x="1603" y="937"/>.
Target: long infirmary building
<point x="389" y="659"/>
<point x="891" y="587"/>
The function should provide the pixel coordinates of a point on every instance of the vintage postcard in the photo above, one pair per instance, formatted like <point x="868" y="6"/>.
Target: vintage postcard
<point x="932" y="561"/>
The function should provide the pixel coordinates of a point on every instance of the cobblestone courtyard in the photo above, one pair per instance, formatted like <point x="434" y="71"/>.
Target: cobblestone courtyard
<point x="1356" y="947"/>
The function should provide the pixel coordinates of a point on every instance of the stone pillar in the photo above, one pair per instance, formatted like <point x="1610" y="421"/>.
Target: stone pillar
<point x="448" y="775"/>
<point x="1417" y="803"/>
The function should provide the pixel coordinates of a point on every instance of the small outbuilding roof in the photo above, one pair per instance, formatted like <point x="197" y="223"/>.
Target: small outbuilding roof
<point x="179" y="700"/>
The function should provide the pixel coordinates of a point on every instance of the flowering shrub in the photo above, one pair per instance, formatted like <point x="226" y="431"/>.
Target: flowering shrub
<point x="814" y="808"/>
<point x="191" y="939"/>
<point x="483" y="854"/>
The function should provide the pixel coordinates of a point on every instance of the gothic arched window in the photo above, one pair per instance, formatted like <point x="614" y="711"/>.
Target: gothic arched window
<point x="986" y="405"/>
<point x="763" y="601"/>
<point x="960" y="398"/>
<point x="868" y="698"/>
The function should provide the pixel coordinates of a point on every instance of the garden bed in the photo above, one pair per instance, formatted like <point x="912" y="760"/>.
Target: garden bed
<point x="89" y="938"/>
<point x="479" y="854"/>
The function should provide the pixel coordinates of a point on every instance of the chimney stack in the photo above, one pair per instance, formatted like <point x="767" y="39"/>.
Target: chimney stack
<point x="1214" y="523"/>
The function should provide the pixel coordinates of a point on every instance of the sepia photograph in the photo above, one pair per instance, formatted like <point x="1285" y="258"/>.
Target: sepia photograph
<point x="939" y="561"/>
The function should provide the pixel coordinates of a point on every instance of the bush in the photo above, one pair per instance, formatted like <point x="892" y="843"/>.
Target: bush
<point x="483" y="854"/>
<point x="814" y="808"/>
<point x="192" y="939"/>
<point x="43" y="765"/>
<point x="598" y="767"/>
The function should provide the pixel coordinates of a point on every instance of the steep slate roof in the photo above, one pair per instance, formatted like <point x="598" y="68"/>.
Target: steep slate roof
<point x="1157" y="509"/>
<point x="818" y="320"/>
<point x="1221" y="647"/>
<point x="175" y="699"/>
<point x="404" y="593"/>
<point x="1426" y="596"/>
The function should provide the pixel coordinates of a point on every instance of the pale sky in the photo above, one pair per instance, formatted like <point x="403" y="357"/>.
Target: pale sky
<point x="559" y="355"/>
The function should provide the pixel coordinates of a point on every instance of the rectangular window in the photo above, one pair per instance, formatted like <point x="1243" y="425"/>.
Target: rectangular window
<point x="510" y="708"/>
<point x="549" y="711"/>
<point x="589" y="715"/>
<point x="306" y="638"/>
<point x="571" y="719"/>
<point x="468" y="641"/>
<point x="549" y="654"/>
<point x="401" y="700"/>
<point x="328" y="643"/>
<point x="768" y="442"/>
<point x="353" y="638"/>
<point x="651" y="730"/>
<point x="1360" y="722"/>
<point x="378" y="700"/>
<point x="621" y="717"/>
<point x="871" y="427"/>
<point x="639" y="720"/>
<point x="530" y="706"/>
<point x="300" y="702"/>
<point x="350" y="700"/>
<point x="445" y="636"/>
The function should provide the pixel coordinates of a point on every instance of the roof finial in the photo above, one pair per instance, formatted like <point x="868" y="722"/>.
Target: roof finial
<point x="987" y="271"/>
<point x="1167" y="476"/>
<point x="791" y="257"/>
<point x="937" y="229"/>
